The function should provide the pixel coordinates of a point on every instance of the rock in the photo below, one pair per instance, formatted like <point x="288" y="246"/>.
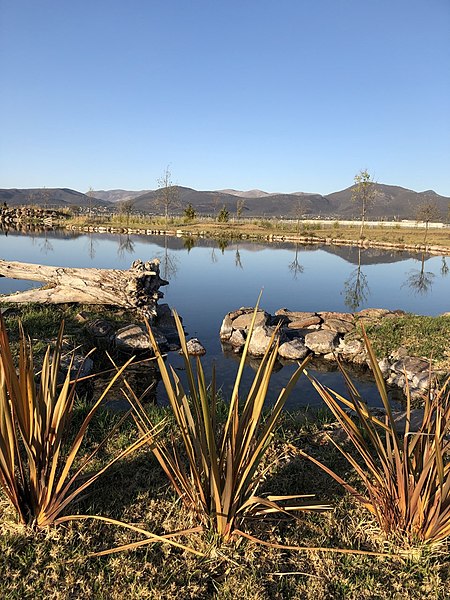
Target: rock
<point x="350" y="348"/>
<point x="321" y="342"/>
<point x="134" y="338"/>
<point x="164" y="317"/>
<point x="421" y="381"/>
<point x="305" y="322"/>
<point x="338" y="325"/>
<point x="348" y="317"/>
<point x="226" y="329"/>
<point x="102" y="331"/>
<point x="195" y="348"/>
<point x="260" y="340"/>
<point x="293" y="350"/>
<point x="294" y="315"/>
<point x="372" y="313"/>
<point x="399" y="353"/>
<point x="243" y="321"/>
<point x="237" y="339"/>
<point x="385" y="366"/>
<point x="411" y="366"/>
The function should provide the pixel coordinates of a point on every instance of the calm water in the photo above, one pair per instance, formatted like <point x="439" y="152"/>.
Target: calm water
<point x="210" y="279"/>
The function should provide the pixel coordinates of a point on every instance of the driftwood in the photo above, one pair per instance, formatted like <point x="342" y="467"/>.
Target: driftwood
<point x="138" y="287"/>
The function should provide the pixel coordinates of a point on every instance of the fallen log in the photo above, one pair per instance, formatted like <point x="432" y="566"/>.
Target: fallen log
<point x="137" y="287"/>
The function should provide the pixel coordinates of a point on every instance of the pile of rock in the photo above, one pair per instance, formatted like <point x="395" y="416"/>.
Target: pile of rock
<point x="328" y="335"/>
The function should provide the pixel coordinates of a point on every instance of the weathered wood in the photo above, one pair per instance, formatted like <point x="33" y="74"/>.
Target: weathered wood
<point x="137" y="287"/>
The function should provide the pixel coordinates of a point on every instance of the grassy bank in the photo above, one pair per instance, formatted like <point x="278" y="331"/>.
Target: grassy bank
<point x="54" y="562"/>
<point x="261" y="228"/>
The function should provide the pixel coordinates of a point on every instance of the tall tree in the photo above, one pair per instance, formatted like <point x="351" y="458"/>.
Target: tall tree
<point x="364" y="193"/>
<point x="167" y="196"/>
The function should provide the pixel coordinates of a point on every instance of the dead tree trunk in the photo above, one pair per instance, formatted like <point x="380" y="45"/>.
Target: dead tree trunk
<point x="138" y="287"/>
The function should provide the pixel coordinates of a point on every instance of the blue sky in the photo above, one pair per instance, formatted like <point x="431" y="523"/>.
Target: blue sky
<point x="281" y="95"/>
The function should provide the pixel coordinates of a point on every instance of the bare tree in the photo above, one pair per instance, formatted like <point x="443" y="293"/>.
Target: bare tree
<point x="364" y="193"/>
<point x="126" y="208"/>
<point x="428" y="211"/>
<point x="240" y="205"/>
<point x="167" y="196"/>
<point x="90" y="195"/>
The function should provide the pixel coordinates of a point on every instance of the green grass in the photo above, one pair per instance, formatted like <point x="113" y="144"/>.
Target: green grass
<point x="421" y="336"/>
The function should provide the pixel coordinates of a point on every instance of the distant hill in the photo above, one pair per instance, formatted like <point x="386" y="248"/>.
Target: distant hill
<point x="55" y="197"/>
<point x="391" y="202"/>
<point x="117" y="195"/>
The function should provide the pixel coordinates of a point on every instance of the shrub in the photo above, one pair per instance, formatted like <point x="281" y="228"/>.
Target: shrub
<point x="406" y="476"/>
<point x="218" y="471"/>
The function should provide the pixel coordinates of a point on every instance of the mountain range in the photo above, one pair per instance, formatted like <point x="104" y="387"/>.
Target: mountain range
<point x="391" y="202"/>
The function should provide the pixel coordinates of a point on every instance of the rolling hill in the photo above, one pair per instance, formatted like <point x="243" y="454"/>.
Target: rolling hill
<point x="391" y="202"/>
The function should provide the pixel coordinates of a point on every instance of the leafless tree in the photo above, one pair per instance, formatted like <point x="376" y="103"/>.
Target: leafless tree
<point x="364" y="193"/>
<point x="428" y="211"/>
<point x="167" y="196"/>
<point x="126" y="208"/>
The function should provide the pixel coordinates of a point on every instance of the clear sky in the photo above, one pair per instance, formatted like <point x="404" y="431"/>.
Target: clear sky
<point x="281" y="95"/>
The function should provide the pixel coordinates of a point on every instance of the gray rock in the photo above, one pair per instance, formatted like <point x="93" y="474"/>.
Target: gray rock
<point x="237" y="339"/>
<point x="321" y="342"/>
<point x="294" y="315"/>
<point x="421" y="380"/>
<point x="134" y="338"/>
<point x="195" y="348"/>
<point x="350" y="348"/>
<point x="399" y="353"/>
<point x="260" y="340"/>
<point x="226" y="328"/>
<point x="411" y="366"/>
<point x="244" y="321"/>
<point x="385" y="366"/>
<point x="294" y="350"/>
<point x="338" y="325"/>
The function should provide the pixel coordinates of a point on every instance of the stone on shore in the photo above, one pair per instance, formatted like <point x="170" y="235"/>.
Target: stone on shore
<point x="321" y="342"/>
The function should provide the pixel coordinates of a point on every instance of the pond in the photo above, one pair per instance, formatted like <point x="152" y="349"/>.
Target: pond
<point x="209" y="278"/>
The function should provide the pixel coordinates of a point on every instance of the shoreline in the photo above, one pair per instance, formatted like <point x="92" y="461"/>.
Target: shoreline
<point x="434" y="249"/>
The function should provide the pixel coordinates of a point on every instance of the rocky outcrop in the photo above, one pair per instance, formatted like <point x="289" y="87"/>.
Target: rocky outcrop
<point x="329" y="335"/>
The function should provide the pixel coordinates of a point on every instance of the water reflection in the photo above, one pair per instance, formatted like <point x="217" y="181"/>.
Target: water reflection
<point x="419" y="280"/>
<point x="168" y="262"/>
<point x="356" y="287"/>
<point x="295" y="267"/>
<point x="188" y="243"/>
<point x="92" y="243"/>
<point x="237" y="258"/>
<point x="444" y="267"/>
<point x="126" y="246"/>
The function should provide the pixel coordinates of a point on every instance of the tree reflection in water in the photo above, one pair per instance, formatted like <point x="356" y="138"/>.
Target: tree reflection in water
<point x="126" y="246"/>
<point x="356" y="287"/>
<point x="168" y="262"/>
<point x="295" y="267"/>
<point x="419" y="280"/>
